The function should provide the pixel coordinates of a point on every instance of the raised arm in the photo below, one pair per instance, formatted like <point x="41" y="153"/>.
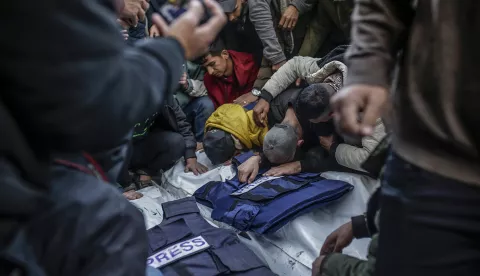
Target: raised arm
<point x="261" y="17"/>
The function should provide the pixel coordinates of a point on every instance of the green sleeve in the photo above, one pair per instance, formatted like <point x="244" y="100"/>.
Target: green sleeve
<point x="343" y="265"/>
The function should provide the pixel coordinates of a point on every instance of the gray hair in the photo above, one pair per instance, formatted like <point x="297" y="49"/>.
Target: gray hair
<point x="280" y="144"/>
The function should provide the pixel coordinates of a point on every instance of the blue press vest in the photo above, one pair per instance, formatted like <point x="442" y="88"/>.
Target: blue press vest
<point x="184" y="244"/>
<point x="268" y="203"/>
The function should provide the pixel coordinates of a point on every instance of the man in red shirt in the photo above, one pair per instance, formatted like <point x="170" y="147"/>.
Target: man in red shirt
<point x="230" y="77"/>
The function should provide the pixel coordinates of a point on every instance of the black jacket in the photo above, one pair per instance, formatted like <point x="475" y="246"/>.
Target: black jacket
<point x="173" y="118"/>
<point x="72" y="83"/>
<point x="170" y="117"/>
<point x="241" y="36"/>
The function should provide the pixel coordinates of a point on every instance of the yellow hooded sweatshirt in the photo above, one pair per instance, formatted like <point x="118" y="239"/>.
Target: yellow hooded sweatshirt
<point x="234" y="119"/>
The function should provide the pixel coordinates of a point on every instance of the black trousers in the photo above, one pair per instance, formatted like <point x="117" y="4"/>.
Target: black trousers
<point x="159" y="150"/>
<point x="429" y="224"/>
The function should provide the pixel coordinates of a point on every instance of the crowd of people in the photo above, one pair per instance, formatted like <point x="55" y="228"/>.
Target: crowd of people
<point x="302" y="84"/>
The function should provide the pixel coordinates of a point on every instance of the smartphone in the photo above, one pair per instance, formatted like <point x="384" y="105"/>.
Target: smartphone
<point x="171" y="9"/>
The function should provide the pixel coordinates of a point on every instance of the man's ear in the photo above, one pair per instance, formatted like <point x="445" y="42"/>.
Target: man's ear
<point x="225" y="54"/>
<point x="300" y="143"/>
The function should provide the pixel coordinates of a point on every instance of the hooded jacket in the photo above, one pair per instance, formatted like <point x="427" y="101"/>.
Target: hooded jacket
<point x="226" y="89"/>
<point x="234" y="119"/>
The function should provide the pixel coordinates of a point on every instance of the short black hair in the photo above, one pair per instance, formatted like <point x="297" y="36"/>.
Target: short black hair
<point x="215" y="49"/>
<point x="313" y="101"/>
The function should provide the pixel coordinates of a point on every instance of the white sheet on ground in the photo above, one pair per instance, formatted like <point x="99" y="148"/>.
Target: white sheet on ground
<point x="292" y="249"/>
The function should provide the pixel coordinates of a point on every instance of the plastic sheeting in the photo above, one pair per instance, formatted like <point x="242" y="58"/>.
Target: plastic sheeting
<point x="291" y="250"/>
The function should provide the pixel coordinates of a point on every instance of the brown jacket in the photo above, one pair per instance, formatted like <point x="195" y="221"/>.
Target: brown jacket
<point x="436" y="119"/>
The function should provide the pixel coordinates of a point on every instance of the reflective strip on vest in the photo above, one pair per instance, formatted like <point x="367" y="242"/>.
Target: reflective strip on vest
<point x="254" y="184"/>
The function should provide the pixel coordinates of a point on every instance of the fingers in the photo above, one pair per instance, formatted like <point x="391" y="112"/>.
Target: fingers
<point x="194" y="13"/>
<point x="241" y="175"/>
<point x="134" y="20"/>
<point x="195" y="170"/>
<point x="145" y="6"/>
<point x="162" y="26"/>
<point x="346" y="118"/>
<point x="140" y="15"/>
<point x="292" y="24"/>
<point x="282" y="21"/>
<point x="202" y="169"/>
<point x="371" y="113"/>
<point x="316" y="266"/>
<point x="256" y="119"/>
<point x="298" y="82"/>
<point x="253" y="175"/>
<point x="327" y="247"/>
<point x="272" y="172"/>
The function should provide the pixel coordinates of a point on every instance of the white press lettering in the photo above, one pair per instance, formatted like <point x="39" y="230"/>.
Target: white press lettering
<point x="178" y="251"/>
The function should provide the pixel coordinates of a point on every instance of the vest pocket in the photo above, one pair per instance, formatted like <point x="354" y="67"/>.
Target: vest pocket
<point x="237" y="257"/>
<point x="163" y="235"/>
<point x="240" y="216"/>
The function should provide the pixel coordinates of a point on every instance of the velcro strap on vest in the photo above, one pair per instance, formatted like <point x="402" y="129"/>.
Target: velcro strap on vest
<point x="179" y="207"/>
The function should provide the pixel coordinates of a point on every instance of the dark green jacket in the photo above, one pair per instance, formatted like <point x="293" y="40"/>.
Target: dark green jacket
<point x="337" y="264"/>
<point x="331" y="15"/>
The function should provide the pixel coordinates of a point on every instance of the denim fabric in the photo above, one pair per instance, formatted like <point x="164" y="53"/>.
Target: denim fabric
<point x="429" y="224"/>
<point x="198" y="110"/>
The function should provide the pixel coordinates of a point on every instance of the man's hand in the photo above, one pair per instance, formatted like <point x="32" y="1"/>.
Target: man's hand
<point x="357" y="107"/>
<point x="124" y="34"/>
<point x="285" y="169"/>
<point x="317" y="265"/>
<point x="193" y="166"/>
<point x="245" y="99"/>
<point x="326" y="142"/>
<point x="194" y="38"/>
<point x="248" y="170"/>
<point x="277" y="66"/>
<point x="338" y="239"/>
<point x="154" y="32"/>
<point x="134" y="11"/>
<point x="183" y="81"/>
<point x="289" y="18"/>
<point x="260" y="112"/>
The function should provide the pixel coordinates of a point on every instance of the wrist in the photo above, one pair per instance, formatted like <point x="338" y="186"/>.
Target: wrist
<point x="293" y="5"/>
<point x="265" y="95"/>
<point x="298" y="167"/>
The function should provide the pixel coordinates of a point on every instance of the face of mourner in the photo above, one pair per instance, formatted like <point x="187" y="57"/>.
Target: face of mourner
<point x="235" y="14"/>
<point x="216" y="65"/>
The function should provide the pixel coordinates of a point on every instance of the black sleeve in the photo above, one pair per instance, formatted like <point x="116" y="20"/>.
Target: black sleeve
<point x="185" y="129"/>
<point x="360" y="227"/>
<point x="72" y="83"/>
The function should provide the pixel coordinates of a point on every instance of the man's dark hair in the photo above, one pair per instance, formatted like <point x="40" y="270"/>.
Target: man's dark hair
<point x="313" y="101"/>
<point x="215" y="49"/>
